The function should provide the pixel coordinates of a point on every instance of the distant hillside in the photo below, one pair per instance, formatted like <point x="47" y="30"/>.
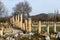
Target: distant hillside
<point x="41" y="16"/>
<point x="46" y="17"/>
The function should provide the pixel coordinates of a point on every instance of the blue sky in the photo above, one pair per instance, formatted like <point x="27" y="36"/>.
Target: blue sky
<point x="38" y="6"/>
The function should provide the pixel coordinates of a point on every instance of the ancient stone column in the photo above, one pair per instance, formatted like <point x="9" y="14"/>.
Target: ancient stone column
<point x="54" y="27"/>
<point x="2" y="31"/>
<point x="18" y="20"/>
<point x="26" y="24"/>
<point x="29" y="24"/>
<point x="39" y="28"/>
<point x="23" y="26"/>
<point x="21" y="22"/>
<point x="13" y="19"/>
<point x="10" y="20"/>
<point x="48" y="29"/>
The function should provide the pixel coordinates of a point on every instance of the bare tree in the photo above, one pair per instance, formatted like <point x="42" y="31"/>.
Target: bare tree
<point x="22" y="7"/>
<point x="2" y="9"/>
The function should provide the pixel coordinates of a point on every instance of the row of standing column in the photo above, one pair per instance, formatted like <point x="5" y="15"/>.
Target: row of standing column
<point x="28" y="28"/>
<point x="27" y="25"/>
<point x="16" y="20"/>
<point x="53" y="28"/>
<point x="20" y="23"/>
<point x="40" y="25"/>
